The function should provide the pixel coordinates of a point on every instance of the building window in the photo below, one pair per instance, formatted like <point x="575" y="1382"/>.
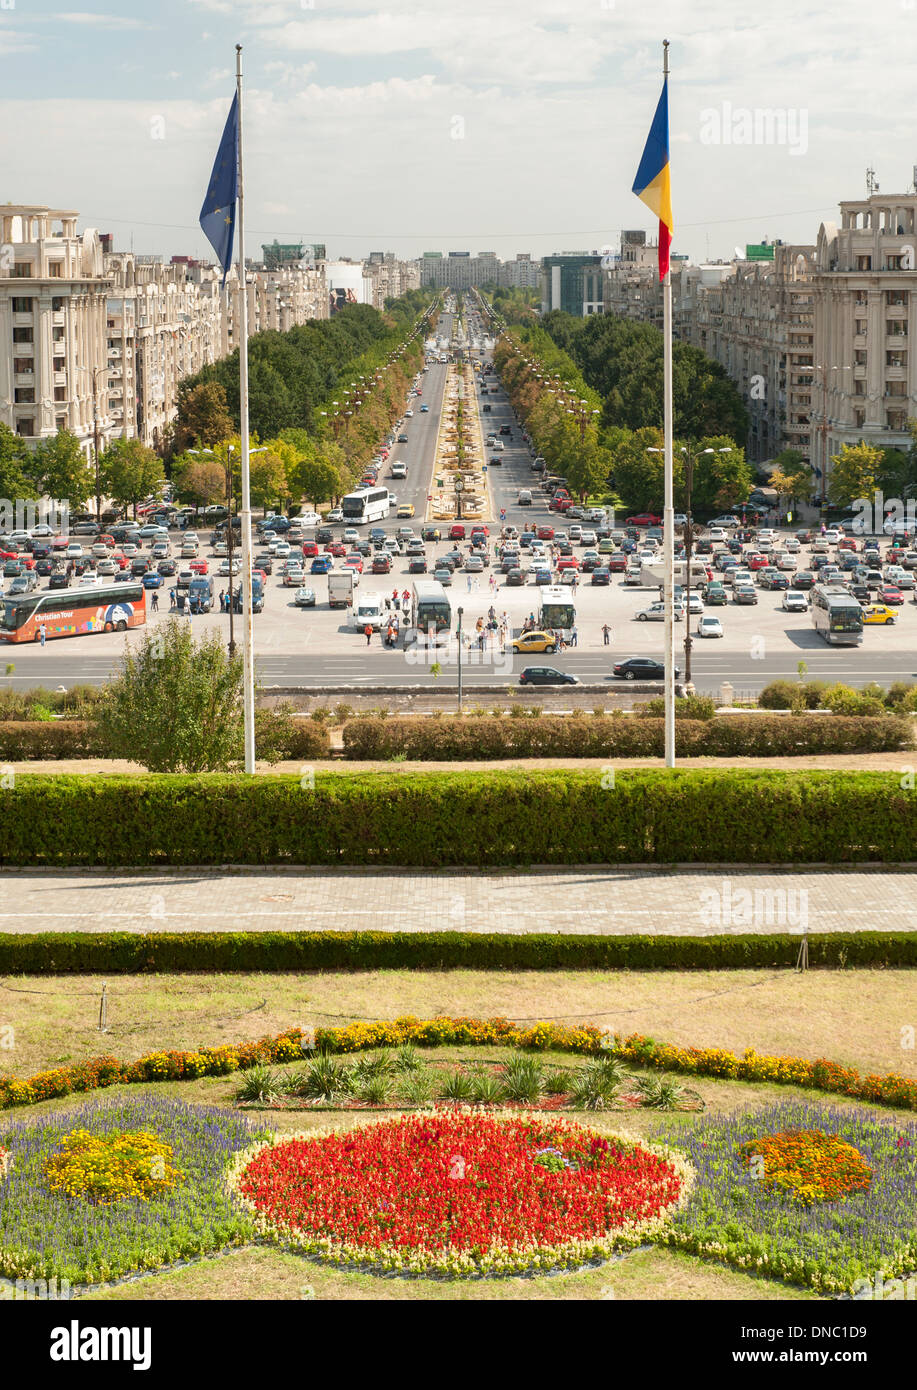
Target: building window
<point x="896" y="328"/>
<point x="60" y="393"/>
<point x="60" y="364"/>
<point x="26" y="428"/>
<point x="895" y="388"/>
<point x="859" y="388"/>
<point x="23" y="365"/>
<point x="893" y="262"/>
<point x="55" y="270"/>
<point x="864" y="262"/>
<point x="21" y="305"/>
<point x="61" y="422"/>
<point x="859" y="418"/>
<point x="859" y="357"/>
<point x="25" y="395"/>
<point x="57" y="335"/>
<point x="896" y="359"/>
<point x="22" y="335"/>
<point x="896" y="296"/>
<point x="896" y="419"/>
<point x="57" y="304"/>
<point x="22" y="270"/>
<point x="859" y="327"/>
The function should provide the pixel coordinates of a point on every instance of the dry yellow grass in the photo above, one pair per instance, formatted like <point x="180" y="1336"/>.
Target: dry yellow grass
<point x="257" y="1273"/>
<point x="853" y="1017"/>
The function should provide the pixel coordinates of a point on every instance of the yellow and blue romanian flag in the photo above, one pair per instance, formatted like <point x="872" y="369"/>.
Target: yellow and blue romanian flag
<point x="218" y="215"/>
<point x="652" y="185"/>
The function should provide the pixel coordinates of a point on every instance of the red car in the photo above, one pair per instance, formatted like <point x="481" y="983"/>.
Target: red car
<point x="119" y="559"/>
<point x="644" y="519"/>
<point x="310" y="548"/>
<point x="336" y="548"/>
<point x="198" y="566"/>
<point x="546" y="533"/>
<point x="479" y="531"/>
<point x="616" y="564"/>
<point x="9" y="554"/>
<point x="568" y="562"/>
<point x="354" y="562"/>
<point x="457" y="532"/>
<point x="757" y="562"/>
<point x="889" y="594"/>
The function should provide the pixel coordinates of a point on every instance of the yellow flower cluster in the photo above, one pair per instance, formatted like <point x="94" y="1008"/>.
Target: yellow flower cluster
<point x="107" y="1168"/>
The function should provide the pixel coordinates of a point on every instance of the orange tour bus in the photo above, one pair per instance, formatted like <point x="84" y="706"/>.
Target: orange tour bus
<point x="72" y="612"/>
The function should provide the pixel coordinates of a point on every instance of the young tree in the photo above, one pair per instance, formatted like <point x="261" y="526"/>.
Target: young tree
<point x="203" y="415"/>
<point x="61" y="469"/>
<point x="855" y="473"/>
<point x="176" y="705"/>
<point x="199" y="481"/>
<point x="792" y="476"/>
<point x="15" y="466"/>
<point x="129" y="471"/>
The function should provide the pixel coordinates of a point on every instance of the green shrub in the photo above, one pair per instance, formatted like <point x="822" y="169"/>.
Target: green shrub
<point x="488" y="1089"/>
<point x="726" y="735"/>
<point x="687" y="707"/>
<point x="595" y="1086"/>
<point x="457" y="1086"/>
<point x="843" y="699"/>
<point x="262" y="1085"/>
<point x="899" y="695"/>
<point x="523" y="1080"/>
<point x="25" y="739"/>
<point x="325" y="1078"/>
<point x="132" y="953"/>
<point x="782" y="694"/>
<point x="813" y="694"/>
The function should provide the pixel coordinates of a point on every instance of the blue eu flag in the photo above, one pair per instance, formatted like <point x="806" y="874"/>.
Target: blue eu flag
<point x="218" y="215"/>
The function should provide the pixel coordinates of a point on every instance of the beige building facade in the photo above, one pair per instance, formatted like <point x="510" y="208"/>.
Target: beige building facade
<point x="93" y="340"/>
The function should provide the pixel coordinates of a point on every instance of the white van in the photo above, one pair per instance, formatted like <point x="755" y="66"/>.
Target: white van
<point x="525" y="498"/>
<point x="399" y="470"/>
<point x="369" y="609"/>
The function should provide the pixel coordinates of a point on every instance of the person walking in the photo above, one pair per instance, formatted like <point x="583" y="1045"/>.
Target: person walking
<point x="171" y="598"/>
<point x="222" y="605"/>
<point x="574" y="636"/>
<point x="43" y="634"/>
<point x="155" y="602"/>
<point x="396" y="599"/>
<point x="606" y="634"/>
<point x="406" y="597"/>
<point x="369" y="633"/>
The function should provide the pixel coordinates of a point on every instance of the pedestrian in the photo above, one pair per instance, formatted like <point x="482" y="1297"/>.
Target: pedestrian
<point x="155" y="602"/>
<point x="405" y="597"/>
<point x="171" y="598"/>
<point x="396" y="600"/>
<point x="469" y="583"/>
<point x="43" y="633"/>
<point x="574" y="636"/>
<point x="369" y="633"/>
<point x="221" y="601"/>
<point x="606" y="634"/>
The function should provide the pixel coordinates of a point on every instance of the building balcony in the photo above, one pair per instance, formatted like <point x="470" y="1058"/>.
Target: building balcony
<point x="859" y="340"/>
<point x="58" y="318"/>
<point x="59" y="378"/>
<point x="24" y="379"/>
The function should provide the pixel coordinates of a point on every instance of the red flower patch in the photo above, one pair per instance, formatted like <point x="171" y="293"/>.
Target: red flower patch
<point x="460" y="1191"/>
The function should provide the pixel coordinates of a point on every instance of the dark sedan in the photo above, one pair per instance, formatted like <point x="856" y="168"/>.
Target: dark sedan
<point x="418" y="565"/>
<point x="601" y="576"/>
<point x="515" y="577"/>
<point x="546" y="675"/>
<point x="642" y="668"/>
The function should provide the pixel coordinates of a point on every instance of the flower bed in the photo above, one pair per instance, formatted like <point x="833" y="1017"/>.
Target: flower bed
<point x="47" y="1231"/>
<point x="829" y="1239"/>
<point x="461" y="1193"/>
<point x="588" y="1040"/>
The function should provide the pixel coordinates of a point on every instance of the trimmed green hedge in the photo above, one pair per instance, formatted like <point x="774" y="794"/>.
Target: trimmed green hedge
<point x="126" y="953"/>
<point x="727" y="736"/>
<point x="277" y="736"/>
<point x="480" y="819"/>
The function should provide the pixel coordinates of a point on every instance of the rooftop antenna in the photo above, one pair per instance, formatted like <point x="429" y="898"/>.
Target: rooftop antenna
<point x="914" y="179"/>
<point x="872" y="185"/>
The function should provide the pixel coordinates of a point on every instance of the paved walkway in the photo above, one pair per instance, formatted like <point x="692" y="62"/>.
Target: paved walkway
<point x="611" y="901"/>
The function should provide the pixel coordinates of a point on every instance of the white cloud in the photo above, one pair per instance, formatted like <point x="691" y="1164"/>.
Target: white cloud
<point x="99" y="21"/>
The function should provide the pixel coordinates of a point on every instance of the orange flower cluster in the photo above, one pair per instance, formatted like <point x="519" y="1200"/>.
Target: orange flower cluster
<point x="808" y="1164"/>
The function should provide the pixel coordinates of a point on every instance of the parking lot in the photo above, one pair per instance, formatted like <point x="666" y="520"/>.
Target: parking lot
<point x="322" y="645"/>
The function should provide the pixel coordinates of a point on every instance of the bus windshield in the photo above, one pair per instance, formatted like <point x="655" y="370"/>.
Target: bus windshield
<point x="848" y="619"/>
<point x="435" y="613"/>
<point x="555" y="614"/>
<point x="16" y="612"/>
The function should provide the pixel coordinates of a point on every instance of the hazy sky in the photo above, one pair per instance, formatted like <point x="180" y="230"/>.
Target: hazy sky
<point x="495" y="125"/>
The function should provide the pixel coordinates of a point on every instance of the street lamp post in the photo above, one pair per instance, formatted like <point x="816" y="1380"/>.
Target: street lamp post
<point x="458" y="634"/>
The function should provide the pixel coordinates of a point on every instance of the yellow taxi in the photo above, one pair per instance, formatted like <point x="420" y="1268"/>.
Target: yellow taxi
<point x="879" y="613"/>
<point x="406" y="509"/>
<point x="535" y="642"/>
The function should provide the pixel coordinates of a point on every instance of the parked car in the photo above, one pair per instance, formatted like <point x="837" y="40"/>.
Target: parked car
<point x="794" y="601"/>
<point x="709" y="626"/>
<point x="304" y="598"/>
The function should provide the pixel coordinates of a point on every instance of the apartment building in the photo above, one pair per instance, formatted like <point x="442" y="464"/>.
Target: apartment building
<point x="52" y="324"/>
<point x="865" y="279"/>
<point x="389" y="277"/>
<point x="98" y="340"/>
<point x="460" y="270"/>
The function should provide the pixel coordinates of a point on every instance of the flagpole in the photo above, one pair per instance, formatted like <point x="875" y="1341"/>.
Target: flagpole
<point x="248" y="663"/>
<point x="668" y="518"/>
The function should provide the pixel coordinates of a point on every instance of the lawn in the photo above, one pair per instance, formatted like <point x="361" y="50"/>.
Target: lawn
<point x="858" y="1018"/>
